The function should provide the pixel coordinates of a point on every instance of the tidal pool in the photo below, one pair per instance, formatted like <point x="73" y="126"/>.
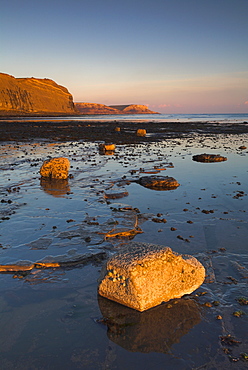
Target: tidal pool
<point x="55" y="237"/>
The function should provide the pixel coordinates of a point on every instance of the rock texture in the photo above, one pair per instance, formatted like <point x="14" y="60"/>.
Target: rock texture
<point x="55" y="168"/>
<point x="158" y="182"/>
<point x="209" y="158"/>
<point x="33" y="96"/>
<point x="141" y="132"/>
<point x="92" y="108"/>
<point x="142" y="276"/>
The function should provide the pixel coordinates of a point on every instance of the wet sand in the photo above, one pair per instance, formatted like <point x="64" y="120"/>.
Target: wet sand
<point x="51" y="315"/>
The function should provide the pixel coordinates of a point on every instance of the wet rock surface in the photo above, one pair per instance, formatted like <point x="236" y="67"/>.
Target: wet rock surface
<point x="158" y="182"/>
<point x="55" y="168"/>
<point x="143" y="276"/>
<point x="209" y="158"/>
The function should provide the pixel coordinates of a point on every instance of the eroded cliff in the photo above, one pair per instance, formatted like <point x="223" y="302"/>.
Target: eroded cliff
<point x="33" y="96"/>
<point x="92" y="108"/>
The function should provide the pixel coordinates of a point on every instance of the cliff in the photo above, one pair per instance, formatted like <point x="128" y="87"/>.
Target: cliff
<point x="33" y="96"/>
<point x="92" y="108"/>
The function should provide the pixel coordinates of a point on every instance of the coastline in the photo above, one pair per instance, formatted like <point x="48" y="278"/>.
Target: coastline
<point x="98" y="130"/>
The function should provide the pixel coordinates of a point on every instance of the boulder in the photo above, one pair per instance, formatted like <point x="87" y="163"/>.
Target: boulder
<point x="143" y="276"/>
<point x="158" y="182"/>
<point x="209" y="158"/>
<point x="55" y="168"/>
<point x="141" y="132"/>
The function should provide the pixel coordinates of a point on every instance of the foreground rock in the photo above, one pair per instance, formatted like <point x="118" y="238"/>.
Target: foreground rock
<point x="55" y="168"/>
<point x="209" y="158"/>
<point x="142" y="276"/>
<point x="158" y="182"/>
<point x="33" y="96"/>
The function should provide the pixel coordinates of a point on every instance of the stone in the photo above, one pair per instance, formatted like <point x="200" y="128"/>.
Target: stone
<point x="103" y="148"/>
<point x="209" y="158"/>
<point x="55" y="168"/>
<point x="158" y="182"/>
<point x="143" y="276"/>
<point x="141" y="132"/>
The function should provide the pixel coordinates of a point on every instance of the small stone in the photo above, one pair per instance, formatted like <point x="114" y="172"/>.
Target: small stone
<point x="141" y="132"/>
<point x="153" y="274"/>
<point x="103" y="148"/>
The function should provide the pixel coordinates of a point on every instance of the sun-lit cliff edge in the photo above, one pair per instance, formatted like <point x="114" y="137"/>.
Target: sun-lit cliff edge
<point x="93" y="108"/>
<point x="33" y="96"/>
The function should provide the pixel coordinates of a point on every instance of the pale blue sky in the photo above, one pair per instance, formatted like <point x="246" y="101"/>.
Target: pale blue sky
<point x="178" y="56"/>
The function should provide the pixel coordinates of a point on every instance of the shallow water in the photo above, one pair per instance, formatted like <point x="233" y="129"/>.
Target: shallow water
<point x="52" y="317"/>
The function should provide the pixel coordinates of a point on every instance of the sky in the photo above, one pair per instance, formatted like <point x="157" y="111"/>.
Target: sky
<point x="176" y="56"/>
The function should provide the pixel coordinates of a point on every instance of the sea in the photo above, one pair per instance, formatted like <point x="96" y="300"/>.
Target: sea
<point x="208" y="117"/>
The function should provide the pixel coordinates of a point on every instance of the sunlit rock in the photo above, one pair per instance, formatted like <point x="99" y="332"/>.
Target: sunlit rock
<point x="55" y="168"/>
<point x="26" y="96"/>
<point x="155" y="330"/>
<point x="143" y="275"/>
<point x="106" y="148"/>
<point x="209" y="158"/>
<point x="158" y="182"/>
<point x="141" y="132"/>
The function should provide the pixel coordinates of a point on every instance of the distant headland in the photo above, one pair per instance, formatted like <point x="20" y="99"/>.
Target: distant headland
<point x="44" y="97"/>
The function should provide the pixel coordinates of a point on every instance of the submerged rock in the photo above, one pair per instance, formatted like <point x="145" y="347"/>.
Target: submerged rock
<point x="143" y="276"/>
<point x="158" y="182"/>
<point x="209" y="158"/>
<point x="55" y="168"/>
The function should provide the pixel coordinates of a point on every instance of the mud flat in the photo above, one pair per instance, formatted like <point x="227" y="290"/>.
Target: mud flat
<point x="66" y="129"/>
<point x="55" y="238"/>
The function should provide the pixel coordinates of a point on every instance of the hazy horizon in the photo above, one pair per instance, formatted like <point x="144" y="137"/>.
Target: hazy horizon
<point x="175" y="57"/>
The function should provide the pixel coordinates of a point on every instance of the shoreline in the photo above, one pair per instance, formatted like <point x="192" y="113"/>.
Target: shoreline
<point x="90" y="130"/>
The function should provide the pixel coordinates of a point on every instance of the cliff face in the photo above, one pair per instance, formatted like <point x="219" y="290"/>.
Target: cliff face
<point x="91" y="108"/>
<point x="33" y="96"/>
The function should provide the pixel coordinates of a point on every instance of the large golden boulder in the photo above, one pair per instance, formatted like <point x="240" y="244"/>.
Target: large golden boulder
<point x="55" y="168"/>
<point x="143" y="275"/>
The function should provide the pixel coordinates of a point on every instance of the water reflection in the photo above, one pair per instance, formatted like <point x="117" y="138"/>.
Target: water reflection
<point x="56" y="188"/>
<point x="155" y="330"/>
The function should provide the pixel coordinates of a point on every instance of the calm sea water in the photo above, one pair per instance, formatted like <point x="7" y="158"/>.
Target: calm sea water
<point x="222" y="118"/>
